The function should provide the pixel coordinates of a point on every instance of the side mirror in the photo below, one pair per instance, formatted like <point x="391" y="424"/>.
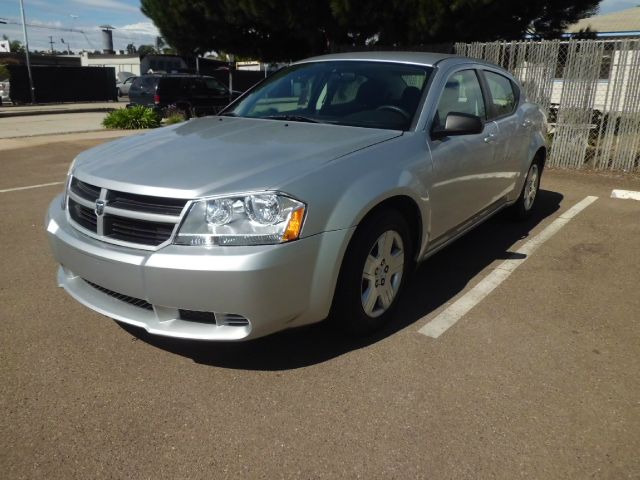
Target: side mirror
<point x="459" y="124"/>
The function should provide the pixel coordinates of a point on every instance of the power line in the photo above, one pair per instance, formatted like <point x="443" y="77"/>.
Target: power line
<point x="48" y="27"/>
<point x="60" y="29"/>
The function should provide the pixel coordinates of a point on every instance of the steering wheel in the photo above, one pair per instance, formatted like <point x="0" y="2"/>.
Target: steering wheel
<point x="396" y="109"/>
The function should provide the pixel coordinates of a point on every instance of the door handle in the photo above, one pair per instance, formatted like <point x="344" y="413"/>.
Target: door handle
<point x="490" y="138"/>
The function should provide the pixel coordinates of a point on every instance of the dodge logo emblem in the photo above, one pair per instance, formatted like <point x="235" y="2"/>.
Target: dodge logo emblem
<point x="99" y="207"/>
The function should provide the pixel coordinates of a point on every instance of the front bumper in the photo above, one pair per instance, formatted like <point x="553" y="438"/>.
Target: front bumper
<point x="272" y="286"/>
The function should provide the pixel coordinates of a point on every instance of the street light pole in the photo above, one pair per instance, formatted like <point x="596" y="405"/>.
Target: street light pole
<point x="26" y="52"/>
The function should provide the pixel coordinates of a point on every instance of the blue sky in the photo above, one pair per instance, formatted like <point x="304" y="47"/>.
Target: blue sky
<point x="131" y="25"/>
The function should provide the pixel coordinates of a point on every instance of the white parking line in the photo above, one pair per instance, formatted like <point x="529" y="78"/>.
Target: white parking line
<point x="625" y="194"/>
<point x="30" y="187"/>
<point x="446" y="319"/>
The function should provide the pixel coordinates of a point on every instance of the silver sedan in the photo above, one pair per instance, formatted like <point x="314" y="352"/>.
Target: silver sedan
<point x="123" y="86"/>
<point x="312" y="195"/>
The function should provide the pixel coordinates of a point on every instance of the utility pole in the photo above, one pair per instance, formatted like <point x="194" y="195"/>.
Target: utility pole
<point x="26" y="53"/>
<point x="51" y="42"/>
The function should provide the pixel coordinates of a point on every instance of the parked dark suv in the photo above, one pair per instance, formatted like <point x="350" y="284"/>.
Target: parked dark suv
<point x="194" y="95"/>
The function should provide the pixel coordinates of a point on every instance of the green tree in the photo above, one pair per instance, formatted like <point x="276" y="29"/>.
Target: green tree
<point x="290" y="29"/>
<point x="415" y="22"/>
<point x="131" y="49"/>
<point x="16" y="46"/>
<point x="146" y="50"/>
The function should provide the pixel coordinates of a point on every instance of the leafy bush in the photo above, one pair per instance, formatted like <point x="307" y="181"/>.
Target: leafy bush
<point x="174" y="118"/>
<point x="132" y="118"/>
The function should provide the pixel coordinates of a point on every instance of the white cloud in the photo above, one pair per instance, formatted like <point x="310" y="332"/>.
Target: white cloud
<point x="56" y="24"/>
<point x="142" y="28"/>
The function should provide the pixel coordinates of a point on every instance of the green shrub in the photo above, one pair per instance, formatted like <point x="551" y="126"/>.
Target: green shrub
<point x="132" y="118"/>
<point x="174" y="118"/>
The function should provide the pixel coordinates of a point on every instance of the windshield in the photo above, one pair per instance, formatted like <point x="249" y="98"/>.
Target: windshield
<point x="357" y="93"/>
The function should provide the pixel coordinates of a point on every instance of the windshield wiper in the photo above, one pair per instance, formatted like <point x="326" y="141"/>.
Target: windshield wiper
<point x="228" y="114"/>
<point x="291" y="118"/>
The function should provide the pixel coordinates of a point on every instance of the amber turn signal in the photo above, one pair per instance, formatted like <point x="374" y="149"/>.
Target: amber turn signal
<point x="294" y="226"/>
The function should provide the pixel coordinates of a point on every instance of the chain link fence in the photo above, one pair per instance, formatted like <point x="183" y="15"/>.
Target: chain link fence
<point x="590" y="89"/>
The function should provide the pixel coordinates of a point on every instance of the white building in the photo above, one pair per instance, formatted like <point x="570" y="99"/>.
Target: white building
<point x="133" y="63"/>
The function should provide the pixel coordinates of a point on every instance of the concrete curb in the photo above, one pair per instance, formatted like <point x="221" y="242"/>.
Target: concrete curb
<point x="23" y="113"/>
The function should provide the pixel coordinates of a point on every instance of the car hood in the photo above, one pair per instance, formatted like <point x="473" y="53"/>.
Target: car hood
<point x="216" y="155"/>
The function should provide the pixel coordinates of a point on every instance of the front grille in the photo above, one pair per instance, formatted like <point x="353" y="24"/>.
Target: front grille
<point x="136" y="302"/>
<point x="84" y="190"/>
<point x="144" y="203"/>
<point x="126" y="217"/>
<point x="137" y="231"/>
<point x="83" y="216"/>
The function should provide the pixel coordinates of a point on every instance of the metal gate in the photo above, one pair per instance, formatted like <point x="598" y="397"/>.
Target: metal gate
<point x="590" y="90"/>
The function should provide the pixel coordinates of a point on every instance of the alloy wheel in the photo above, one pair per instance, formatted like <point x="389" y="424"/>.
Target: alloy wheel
<point x="531" y="186"/>
<point x="382" y="273"/>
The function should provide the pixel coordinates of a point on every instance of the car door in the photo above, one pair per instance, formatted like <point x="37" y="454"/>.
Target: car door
<point x="511" y="142"/>
<point x="462" y="165"/>
<point x="216" y="94"/>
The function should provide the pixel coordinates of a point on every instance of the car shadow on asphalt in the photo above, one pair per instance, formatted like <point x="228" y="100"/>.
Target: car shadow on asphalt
<point x="435" y="282"/>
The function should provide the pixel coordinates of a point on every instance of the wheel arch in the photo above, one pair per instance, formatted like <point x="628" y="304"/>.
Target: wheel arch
<point x="541" y="156"/>
<point x="410" y="211"/>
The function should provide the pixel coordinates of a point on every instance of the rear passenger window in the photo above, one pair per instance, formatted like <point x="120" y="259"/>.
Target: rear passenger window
<point x="462" y="94"/>
<point x="149" y="83"/>
<point x="214" y="86"/>
<point x="503" y="93"/>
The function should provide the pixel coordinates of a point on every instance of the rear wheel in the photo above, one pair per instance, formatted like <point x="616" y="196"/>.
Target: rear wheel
<point x="373" y="274"/>
<point x="523" y="207"/>
<point x="186" y="111"/>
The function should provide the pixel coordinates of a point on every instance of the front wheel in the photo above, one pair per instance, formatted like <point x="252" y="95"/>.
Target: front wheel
<point x="523" y="207"/>
<point x="374" y="272"/>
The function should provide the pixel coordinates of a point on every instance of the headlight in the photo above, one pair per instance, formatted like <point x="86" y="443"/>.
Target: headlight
<point x="65" y="195"/>
<point x="251" y="219"/>
<point x="67" y="183"/>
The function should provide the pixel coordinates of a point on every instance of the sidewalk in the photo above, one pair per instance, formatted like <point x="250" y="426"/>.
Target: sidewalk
<point x="56" y="108"/>
<point x="50" y="124"/>
<point x="27" y="142"/>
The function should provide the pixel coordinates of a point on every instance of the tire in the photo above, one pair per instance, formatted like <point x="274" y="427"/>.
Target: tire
<point x="525" y="204"/>
<point x="372" y="277"/>
<point x="186" y="111"/>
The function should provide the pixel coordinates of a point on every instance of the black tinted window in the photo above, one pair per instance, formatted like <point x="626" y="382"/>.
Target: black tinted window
<point x="136" y="83"/>
<point x="149" y="83"/>
<point x="461" y="94"/>
<point x="503" y="94"/>
<point x="214" y="85"/>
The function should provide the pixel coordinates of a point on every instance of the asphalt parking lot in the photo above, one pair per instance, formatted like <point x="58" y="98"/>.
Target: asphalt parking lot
<point x="539" y="379"/>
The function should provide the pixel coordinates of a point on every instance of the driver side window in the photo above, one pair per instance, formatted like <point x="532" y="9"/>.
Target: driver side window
<point x="462" y="94"/>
